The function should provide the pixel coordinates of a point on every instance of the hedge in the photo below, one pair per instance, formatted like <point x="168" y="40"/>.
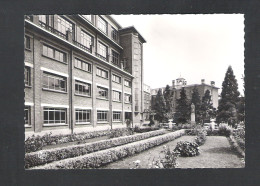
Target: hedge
<point x="50" y="155"/>
<point x="100" y="158"/>
<point x="236" y="146"/>
<point x="35" y="143"/>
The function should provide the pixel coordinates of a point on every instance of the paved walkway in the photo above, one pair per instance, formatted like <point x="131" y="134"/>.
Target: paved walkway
<point x="215" y="153"/>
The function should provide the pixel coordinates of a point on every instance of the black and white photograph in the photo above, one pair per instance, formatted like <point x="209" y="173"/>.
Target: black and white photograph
<point x="157" y="91"/>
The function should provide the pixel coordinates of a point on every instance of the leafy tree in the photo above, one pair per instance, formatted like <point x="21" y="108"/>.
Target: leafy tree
<point x="207" y="109"/>
<point x="168" y="98"/>
<point x="195" y="99"/>
<point x="227" y="109"/>
<point x="160" y="106"/>
<point x="182" y="109"/>
<point x="241" y="109"/>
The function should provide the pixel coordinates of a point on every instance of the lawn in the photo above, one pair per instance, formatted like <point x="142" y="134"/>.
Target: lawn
<point x="215" y="153"/>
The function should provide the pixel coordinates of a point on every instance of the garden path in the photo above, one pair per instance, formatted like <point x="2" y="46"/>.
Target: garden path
<point x="215" y="153"/>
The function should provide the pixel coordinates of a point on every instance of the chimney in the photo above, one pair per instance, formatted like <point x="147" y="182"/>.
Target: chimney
<point x="202" y="81"/>
<point x="173" y="83"/>
<point x="212" y="83"/>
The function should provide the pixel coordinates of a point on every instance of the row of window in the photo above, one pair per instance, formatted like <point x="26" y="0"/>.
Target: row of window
<point x="58" y="116"/>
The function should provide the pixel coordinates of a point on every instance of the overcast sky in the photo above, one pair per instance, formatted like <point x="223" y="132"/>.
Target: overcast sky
<point x="195" y="46"/>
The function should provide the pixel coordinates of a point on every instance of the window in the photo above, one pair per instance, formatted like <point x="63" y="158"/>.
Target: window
<point x="116" y="78"/>
<point x="27" y="42"/>
<point x="64" y="26"/>
<point x="102" y="51"/>
<point x="114" y="34"/>
<point x="82" y="88"/>
<point x="116" y="116"/>
<point x="43" y="19"/>
<point x="102" y="92"/>
<point x="127" y="83"/>
<point x="86" y="39"/>
<point x="116" y="96"/>
<point x="54" y="82"/>
<point x="54" y="53"/>
<point x="128" y="98"/>
<point x="54" y="116"/>
<point x="102" y="115"/>
<point x="102" y="73"/>
<point x="115" y="58"/>
<point x="82" y="116"/>
<point x="102" y="25"/>
<point x="82" y="65"/>
<point x="27" y="116"/>
<point x="27" y="76"/>
<point x="88" y="17"/>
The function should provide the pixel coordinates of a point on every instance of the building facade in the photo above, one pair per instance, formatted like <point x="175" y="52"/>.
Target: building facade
<point x="81" y="72"/>
<point x="147" y="102"/>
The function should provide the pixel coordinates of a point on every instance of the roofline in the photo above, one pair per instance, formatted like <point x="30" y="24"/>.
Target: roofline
<point x="132" y="28"/>
<point x="110" y="17"/>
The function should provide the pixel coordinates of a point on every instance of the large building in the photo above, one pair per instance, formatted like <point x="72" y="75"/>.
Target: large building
<point x="147" y="102"/>
<point x="81" y="72"/>
<point x="182" y="83"/>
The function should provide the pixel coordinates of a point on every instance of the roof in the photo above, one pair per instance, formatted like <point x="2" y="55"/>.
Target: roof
<point x="132" y="29"/>
<point x="114" y="21"/>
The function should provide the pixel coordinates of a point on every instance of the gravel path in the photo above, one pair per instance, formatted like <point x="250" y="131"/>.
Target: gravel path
<point x="215" y="153"/>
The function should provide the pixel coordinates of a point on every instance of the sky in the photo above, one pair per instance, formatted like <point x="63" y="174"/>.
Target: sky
<point x="193" y="46"/>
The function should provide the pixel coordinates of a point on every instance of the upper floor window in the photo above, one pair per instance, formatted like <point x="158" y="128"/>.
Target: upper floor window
<point x="116" y="96"/>
<point x="116" y="78"/>
<point x="102" y="73"/>
<point x="115" y="58"/>
<point x="27" y="76"/>
<point x="27" y="116"/>
<point x="43" y="18"/>
<point x="102" y="92"/>
<point x="27" y="42"/>
<point x="102" y="51"/>
<point x="82" y="65"/>
<point x="128" y="98"/>
<point x="54" y="116"/>
<point x="114" y="34"/>
<point x="54" y="53"/>
<point x="64" y="26"/>
<point x="86" y="39"/>
<point x="54" y="82"/>
<point x="82" y="88"/>
<point x="102" y="25"/>
<point x="88" y="17"/>
<point x="127" y="83"/>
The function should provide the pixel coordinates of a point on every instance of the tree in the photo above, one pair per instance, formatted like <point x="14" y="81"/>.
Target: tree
<point x="182" y="109"/>
<point x="207" y="109"/>
<point x="241" y="109"/>
<point x="227" y="109"/>
<point x="160" y="106"/>
<point x="168" y="98"/>
<point x="195" y="99"/>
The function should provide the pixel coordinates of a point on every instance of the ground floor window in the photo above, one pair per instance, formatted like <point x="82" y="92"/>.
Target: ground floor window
<point x="54" y="116"/>
<point x="82" y="116"/>
<point x="102" y="115"/>
<point x="27" y="116"/>
<point x="116" y="116"/>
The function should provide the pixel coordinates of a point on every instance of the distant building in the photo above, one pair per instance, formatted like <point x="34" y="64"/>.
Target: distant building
<point x="147" y="102"/>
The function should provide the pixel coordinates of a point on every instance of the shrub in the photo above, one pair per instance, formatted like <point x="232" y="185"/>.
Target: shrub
<point x="117" y="133"/>
<point x="35" y="158"/>
<point x="187" y="149"/>
<point x="224" y="130"/>
<point x="195" y="130"/>
<point x="169" y="161"/>
<point x="212" y="132"/>
<point x="239" y="135"/>
<point x="95" y="160"/>
<point x="201" y="137"/>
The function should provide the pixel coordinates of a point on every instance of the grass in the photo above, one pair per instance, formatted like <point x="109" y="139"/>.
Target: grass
<point x="215" y="153"/>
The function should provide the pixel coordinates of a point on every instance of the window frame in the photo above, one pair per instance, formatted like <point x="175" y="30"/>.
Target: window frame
<point x="114" y="34"/>
<point x="28" y="109"/>
<point x="104" y="116"/>
<point x="27" y="75"/>
<point x="55" y="77"/>
<point x="27" y="40"/>
<point x="77" y="60"/>
<point x="84" y="33"/>
<point x="116" y="96"/>
<point x="79" y="121"/>
<point x="54" y="53"/>
<point x="128" y="96"/>
<point x="72" y="29"/>
<point x="117" y="116"/>
<point x="103" y="23"/>
<point x="100" y="49"/>
<point x="115" y="77"/>
<point x="83" y="84"/>
<point x="99" y="93"/>
<point x="54" y="109"/>
<point x="128" y="82"/>
<point x="115" y="58"/>
<point x="102" y="71"/>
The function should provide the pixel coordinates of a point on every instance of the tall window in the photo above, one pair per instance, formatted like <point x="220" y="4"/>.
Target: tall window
<point x="82" y="65"/>
<point x="127" y="83"/>
<point x="102" y="115"/>
<point x="102" y="73"/>
<point x="114" y="34"/>
<point x="128" y="98"/>
<point x="82" y="88"/>
<point x="86" y="39"/>
<point x="82" y="116"/>
<point x="54" y="53"/>
<point x="54" y="116"/>
<point x="116" y="96"/>
<point x="102" y="92"/>
<point x="43" y="19"/>
<point x="27" y="76"/>
<point x="102" y="50"/>
<point x="88" y="17"/>
<point x="102" y="25"/>
<point x="54" y="82"/>
<point x="27" y="116"/>
<point x="116" y="116"/>
<point x="115" y="58"/>
<point x="27" y="42"/>
<point x="116" y="78"/>
<point x="64" y="26"/>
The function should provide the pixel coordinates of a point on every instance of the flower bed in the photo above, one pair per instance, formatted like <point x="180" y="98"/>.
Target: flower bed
<point x="47" y="156"/>
<point x="95" y="160"/>
<point x="35" y="143"/>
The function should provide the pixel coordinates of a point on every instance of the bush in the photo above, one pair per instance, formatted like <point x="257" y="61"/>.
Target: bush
<point x="201" y="137"/>
<point x="142" y="130"/>
<point x="212" y="132"/>
<point x="35" y="158"/>
<point x="224" y="130"/>
<point x="195" y="130"/>
<point x="117" y="133"/>
<point x="169" y="161"/>
<point x="187" y="149"/>
<point x="98" y="159"/>
<point x="239" y="135"/>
